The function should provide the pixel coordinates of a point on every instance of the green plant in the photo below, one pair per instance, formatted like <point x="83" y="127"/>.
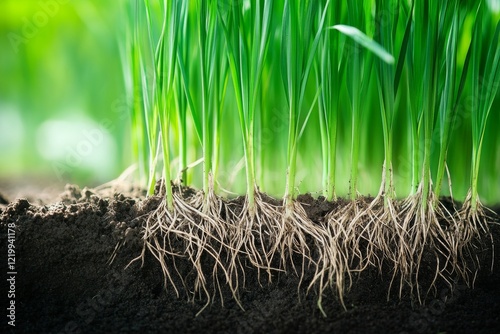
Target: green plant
<point x="329" y="72"/>
<point x="153" y="67"/>
<point x="247" y="36"/>
<point x="486" y="78"/>
<point x="485" y="75"/>
<point x="361" y="89"/>
<point x="299" y="45"/>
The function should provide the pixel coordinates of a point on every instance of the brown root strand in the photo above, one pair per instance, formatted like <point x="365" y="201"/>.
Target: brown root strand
<point x="272" y="238"/>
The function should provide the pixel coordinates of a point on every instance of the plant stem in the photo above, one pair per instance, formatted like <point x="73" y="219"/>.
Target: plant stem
<point x="332" y="159"/>
<point x="325" y="158"/>
<point x="291" y="157"/>
<point x="180" y="106"/>
<point x="250" y="168"/>
<point x="354" y="155"/>
<point x="164" y="125"/>
<point x="389" y="190"/>
<point x="356" y="126"/>
<point x="428" y="130"/>
<point x="474" y="177"/>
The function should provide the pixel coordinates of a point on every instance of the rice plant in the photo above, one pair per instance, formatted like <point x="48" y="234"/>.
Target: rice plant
<point x="342" y="98"/>
<point x="247" y="33"/>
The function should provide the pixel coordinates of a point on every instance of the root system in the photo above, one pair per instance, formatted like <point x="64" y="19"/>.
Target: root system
<point x="419" y="247"/>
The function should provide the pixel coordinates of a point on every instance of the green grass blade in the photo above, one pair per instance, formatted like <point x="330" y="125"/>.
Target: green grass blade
<point x="365" y="41"/>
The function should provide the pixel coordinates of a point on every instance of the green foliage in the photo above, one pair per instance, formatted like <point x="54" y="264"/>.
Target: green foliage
<point x="388" y="83"/>
<point x="299" y="43"/>
<point x="333" y="97"/>
<point x="247" y="35"/>
<point x="485" y="86"/>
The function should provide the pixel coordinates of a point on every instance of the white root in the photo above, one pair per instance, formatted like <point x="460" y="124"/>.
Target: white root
<point x="253" y="234"/>
<point x="350" y="239"/>
<point x="470" y="231"/>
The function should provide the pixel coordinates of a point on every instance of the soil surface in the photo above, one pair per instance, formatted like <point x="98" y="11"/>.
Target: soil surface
<point x="66" y="283"/>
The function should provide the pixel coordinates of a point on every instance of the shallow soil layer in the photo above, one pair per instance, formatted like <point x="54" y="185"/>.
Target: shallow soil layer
<point x="65" y="283"/>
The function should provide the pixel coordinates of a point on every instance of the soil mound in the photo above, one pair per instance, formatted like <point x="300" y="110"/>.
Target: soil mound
<point x="67" y="283"/>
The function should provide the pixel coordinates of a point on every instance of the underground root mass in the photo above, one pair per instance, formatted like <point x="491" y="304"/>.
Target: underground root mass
<point x="327" y="245"/>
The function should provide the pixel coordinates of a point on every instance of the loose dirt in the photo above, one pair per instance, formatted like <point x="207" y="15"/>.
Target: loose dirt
<point x="66" y="283"/>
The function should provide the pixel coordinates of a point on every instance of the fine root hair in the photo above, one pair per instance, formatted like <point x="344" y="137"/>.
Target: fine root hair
<point x="418" y="238"/>
<point x="253" y="234"/>
<point x="471" y="238"/>
<point x="192" y="230"/>
<point x="426" y="230"/>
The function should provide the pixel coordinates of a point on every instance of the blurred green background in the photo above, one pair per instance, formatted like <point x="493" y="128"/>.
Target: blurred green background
<point x="64" y="116"/>
<point x="62" y="113"/>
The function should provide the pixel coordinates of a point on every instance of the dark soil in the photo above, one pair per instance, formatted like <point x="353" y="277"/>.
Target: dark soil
<point x="65" y="283"/>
